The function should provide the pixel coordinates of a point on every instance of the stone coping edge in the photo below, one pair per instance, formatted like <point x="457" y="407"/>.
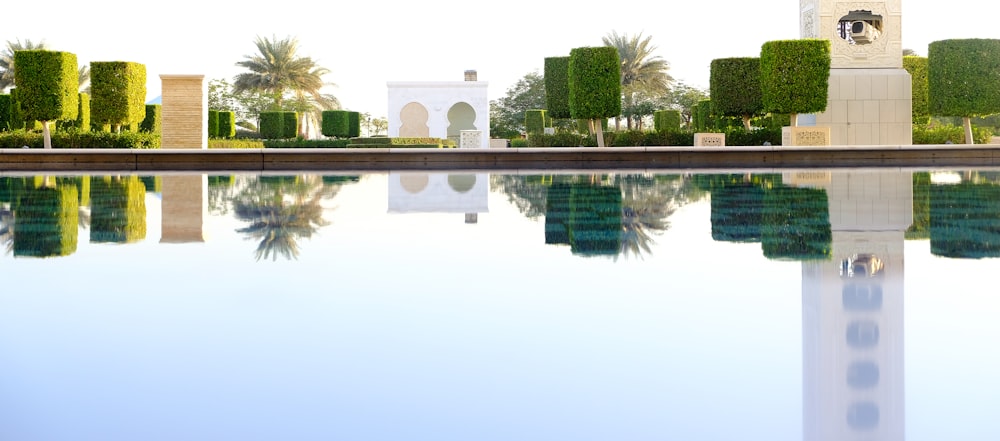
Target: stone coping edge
<point x="582" y="158"/>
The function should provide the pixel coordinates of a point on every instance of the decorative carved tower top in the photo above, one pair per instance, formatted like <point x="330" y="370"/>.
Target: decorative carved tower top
<point x="863" y="34"/>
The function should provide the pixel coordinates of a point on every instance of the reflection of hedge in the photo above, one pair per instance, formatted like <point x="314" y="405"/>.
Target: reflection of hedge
<point x="595" y="220"/>
<point x="796" y="224"/>
<point x="117" y="210"/>
<point x="965" y="220"/>
<point x="737" y="213"/>
<point x="557" y="214"/>
<point x="920" y="229"/>
<point x="46" y="222"/>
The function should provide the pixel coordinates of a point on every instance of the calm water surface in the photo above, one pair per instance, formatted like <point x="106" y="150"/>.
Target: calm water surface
<point x="796" y="305"/>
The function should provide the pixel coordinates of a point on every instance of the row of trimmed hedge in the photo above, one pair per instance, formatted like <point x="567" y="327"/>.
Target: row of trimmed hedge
<point x="76" y="139"/>
<point x="640" y="138"/>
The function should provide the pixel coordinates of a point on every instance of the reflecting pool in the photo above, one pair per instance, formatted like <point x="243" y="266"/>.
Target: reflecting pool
<point x="788" y="305"/>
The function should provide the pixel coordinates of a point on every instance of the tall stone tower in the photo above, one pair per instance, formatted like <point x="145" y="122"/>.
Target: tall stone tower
<point x="870" y="95"/>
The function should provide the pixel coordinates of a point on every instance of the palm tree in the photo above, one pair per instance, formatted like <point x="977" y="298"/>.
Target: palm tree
<point x="641" y="71"/>
<point x="7" y="60"/>
<point x="278" y="69"/>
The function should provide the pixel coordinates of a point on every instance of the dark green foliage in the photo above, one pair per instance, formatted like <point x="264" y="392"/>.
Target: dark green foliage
<point x="963" y="77"/>
<point x="795" y="75"/>
<point x="83" y="113"/>
<point x="594" y="82"/>
<point x="74" y="138"/>
<point x="534" y="122"/>
<point x="213" y="123"/>
<point x="303" y="143"/>
<point x="664" y="120"/>
<point x="383" y="142"/>
<point x="290" y="125"/>
<point x="227" y="124"/>
<point x="923" y="134"/>
<point x="118" y="92"/>
<point x="5" y="105"/>
<point x="706" y="121"/>
<point x="353" y="124"/>
<point x="336" y="124"/>
<point x="796" y="224"/>
<point x="47" y="85"/>
<point x="738" y="136"/>
<point x="47" y="222"/>
<point x="735" y="87"/>
<point x="965" y="220"/>
<point x="117" y="209"/>
<point x="557" y="87"/>
<point x="153" y="120"/>
<point x="272" y="125"/>
<point x="917" y="67"/>
<point x="16" y="121"/>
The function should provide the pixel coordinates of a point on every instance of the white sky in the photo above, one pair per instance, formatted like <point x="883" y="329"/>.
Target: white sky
<point x="365" y="45"/>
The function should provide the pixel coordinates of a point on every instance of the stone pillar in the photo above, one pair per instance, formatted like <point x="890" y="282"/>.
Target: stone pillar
<point x="184" y="206"/>
<point x="185" y="112"/>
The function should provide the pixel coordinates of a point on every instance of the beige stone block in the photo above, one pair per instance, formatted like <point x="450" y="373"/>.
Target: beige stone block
<point x="833" y="86"/>
<point x="871" y="112"/>
<point x="824" y="117"/>
<point x="898" y="87"/>
<point x="848" y="87"/>
<point x="855" y="112"/>
<point x="886" y="111"/>
<point x="862" y="134"/>
<point x="838" y="111"/>
<point x="880" y="87"/>
<point x="838" y="134"/>
<point x="709" y="139"/>
<point x="810" y="136"/>
<point x="863" y="87"/>
<point x="904" y="111"/>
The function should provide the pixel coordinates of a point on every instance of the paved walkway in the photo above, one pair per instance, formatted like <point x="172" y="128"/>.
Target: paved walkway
<point x="653" y="158"/>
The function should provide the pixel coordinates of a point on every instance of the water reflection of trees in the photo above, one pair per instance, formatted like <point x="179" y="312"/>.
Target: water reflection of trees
<point x="609" y="214"/>
<point x="280" y="210"/>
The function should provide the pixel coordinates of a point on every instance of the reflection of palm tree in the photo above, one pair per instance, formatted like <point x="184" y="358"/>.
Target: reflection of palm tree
<point x="281" y="210"/>
<point x="646" y="205"/>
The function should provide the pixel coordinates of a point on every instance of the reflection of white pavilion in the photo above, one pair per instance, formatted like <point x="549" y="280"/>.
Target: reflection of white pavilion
<point x="439" y="193"/>
<point x="852" y="310"/>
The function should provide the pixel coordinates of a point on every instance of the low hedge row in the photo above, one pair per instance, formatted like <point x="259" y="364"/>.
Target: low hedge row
<point x="72" y="139"/>
<point x="638" y="138"/>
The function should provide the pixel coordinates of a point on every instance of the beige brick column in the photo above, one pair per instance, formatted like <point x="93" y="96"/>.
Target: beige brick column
<point x="185" y="112"/>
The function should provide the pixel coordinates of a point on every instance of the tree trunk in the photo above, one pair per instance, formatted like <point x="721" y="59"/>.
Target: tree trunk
<point x="746" y="122"/>
<point x="793" y="119"/>
<point x="967" y="122"/>
<point x="599" y="128"/>
<point x="46" y="135"/>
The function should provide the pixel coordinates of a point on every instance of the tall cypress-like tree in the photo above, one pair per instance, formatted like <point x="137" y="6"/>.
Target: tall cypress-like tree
<point x="47" y="87"/>
<point x="595" y="86"/>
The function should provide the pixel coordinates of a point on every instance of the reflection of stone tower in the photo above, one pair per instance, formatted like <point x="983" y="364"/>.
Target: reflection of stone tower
<point x="870" y="96"/>
<point x="852" y="312"/>
<point x="184" y="207"/>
